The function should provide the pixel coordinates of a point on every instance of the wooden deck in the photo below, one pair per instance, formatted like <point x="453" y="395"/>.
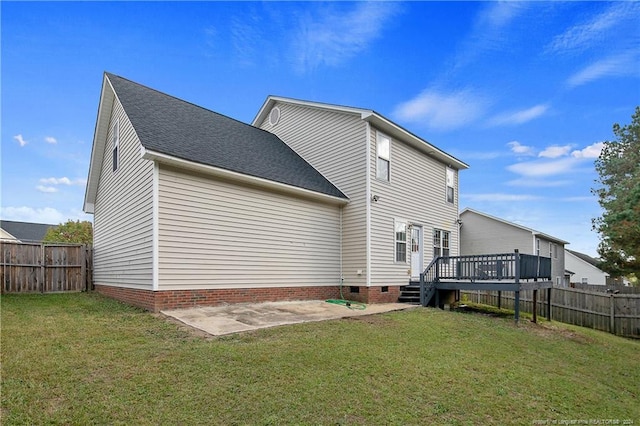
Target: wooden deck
<point x="498" y="272"/>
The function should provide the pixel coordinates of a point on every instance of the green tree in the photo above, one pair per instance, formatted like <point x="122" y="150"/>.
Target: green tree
<point x="618" y="167"/>
<point x="70" y="232"/>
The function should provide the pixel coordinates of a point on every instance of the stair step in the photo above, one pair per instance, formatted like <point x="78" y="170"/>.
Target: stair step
<point x="409" y="299"/>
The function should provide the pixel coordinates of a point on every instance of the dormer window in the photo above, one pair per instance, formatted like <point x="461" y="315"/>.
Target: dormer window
<point x="115" y="141"/>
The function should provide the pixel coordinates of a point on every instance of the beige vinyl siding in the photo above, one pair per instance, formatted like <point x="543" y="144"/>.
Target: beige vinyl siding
<point x="483" y="235"/>
<point x="123" y="217"/>
<point x="557" y="264"/>
<point x="415" y="194"/>
<point x="335" y="144"/>
<point x="218" y="234"/>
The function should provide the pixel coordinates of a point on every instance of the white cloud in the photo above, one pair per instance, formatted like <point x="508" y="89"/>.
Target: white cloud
<point x="336" y="35"/>
<point x="594" y="31"/>
<point x="42" y="215"/>
<point x="518" y="148"/>
<point x="500" y="197"/>
<point x="519" y="117"/>
<point x="555" y="151"/>
<point x="30" y="214"/>
<point x="592" y="151"/>
<point x="46" y="189"/>
<point x="51" y="140"/>
<point x="613" y="66"/>
<point x="20" y="140"/>
<point x="62" y="181"/>
<point x="490" y="31"/>
<point x="538" y="183"/>
<point x="440" y="110"/>
<point x="541" y="168"/>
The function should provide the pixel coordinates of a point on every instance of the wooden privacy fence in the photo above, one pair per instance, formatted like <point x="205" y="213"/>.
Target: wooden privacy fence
<point x="614" y="313"/>
<point x="45" y="268"/>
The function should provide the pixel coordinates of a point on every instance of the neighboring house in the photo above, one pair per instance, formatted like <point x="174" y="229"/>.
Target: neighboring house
<point x="25" y="232"/>
<point x="481" y="233"/>
<point x="584" y="268"/>
<point x="195" y="208"/>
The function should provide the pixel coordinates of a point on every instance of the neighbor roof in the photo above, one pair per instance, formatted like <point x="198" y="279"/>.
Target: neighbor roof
<point x="26" y="231"/>
<point x="533" y="231"/>
<point x="585" y="257"/>
<point x="168" y="125"/>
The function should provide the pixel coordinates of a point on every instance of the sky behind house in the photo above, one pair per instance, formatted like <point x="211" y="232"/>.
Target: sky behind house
<point x="524" y="93"/>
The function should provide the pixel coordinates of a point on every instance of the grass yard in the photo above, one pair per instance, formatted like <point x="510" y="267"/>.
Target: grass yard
<point x="84" y="359"/>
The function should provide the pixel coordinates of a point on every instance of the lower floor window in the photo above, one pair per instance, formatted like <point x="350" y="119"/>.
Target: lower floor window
<point x="441" y="240"/>
<point x="401" y="241"/>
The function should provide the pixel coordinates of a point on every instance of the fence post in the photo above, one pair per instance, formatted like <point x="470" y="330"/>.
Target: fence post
<point x="43" y="272"/>
<point x="612" y="314"/>
<point x="549" y="304"/>
<point x="535" y="306"/>
<point x="83" y="268"/>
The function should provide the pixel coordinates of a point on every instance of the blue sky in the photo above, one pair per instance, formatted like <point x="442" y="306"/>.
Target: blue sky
<point x="522" y="92"/>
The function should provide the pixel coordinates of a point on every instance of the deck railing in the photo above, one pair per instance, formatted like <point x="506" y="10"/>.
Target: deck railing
<point x="504" y="266"/>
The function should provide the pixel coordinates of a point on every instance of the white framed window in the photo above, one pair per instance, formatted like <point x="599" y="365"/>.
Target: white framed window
<point x="555" y="251"/>
<point x="115" y="142"/>
<point x="537" y="246"/>
<point x="441" y="243"/>
<point x="400" y="238"/>
<point x="585" y="280"/>
<point x="550" y="250"/>
<point x="450" y="185"/>
<point x="383" y="154"/>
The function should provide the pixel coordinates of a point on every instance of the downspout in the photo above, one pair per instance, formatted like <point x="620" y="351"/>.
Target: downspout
<point x="341" y="270"/>
<point x="155" y="227"/>
<point x="368" y="208"/>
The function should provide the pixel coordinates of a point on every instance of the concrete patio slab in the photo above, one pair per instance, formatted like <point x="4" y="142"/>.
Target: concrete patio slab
<point x="227" y="319"/>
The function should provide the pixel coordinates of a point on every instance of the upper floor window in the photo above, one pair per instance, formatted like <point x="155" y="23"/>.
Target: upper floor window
<point x="383" y="151"/>
<point x="115" y="141"/>
<point x="450" y="185"/>
<point x="537" y="247"/>
<point x="441" y="243"/>
<point x="401" y="241"/>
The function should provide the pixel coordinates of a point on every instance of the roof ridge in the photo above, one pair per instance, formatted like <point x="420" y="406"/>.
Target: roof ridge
<point x="180" y="99"/>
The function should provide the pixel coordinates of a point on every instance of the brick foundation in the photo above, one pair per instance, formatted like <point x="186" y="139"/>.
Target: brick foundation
<point x="177" y="299"/>
<point x="373" y="294"/>
<point x="156" y="301"/>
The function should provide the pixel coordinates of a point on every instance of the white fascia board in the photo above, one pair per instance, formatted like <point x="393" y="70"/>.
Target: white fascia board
<point x="406" y="136"/>
<point x="107" y="97"/>
<point x="240" y="177"/>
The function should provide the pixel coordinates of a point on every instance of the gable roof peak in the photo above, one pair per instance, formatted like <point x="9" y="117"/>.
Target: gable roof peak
<point x="378" y="120"/>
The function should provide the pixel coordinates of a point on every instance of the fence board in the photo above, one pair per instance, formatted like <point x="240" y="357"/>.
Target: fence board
<point x="45" y="268"/>
<point x="614" y="313"/>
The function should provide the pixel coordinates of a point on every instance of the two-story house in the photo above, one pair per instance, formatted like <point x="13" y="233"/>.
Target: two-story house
<point x="194" y="208"/>
<point x="482" y="233"/>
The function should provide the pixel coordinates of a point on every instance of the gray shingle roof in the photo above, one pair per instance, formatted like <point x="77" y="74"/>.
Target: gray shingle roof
<point x="26" y="231"/>
<point x="591" y="260"/>
<point x="171" y="126"/>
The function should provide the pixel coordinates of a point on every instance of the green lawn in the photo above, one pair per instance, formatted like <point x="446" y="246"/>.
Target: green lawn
<point x="84" y="359"/>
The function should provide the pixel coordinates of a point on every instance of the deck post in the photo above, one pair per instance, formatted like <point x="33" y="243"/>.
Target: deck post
<point x="535" y="306"/>
<point x="517" y="280"/>
<point x="422" y="290"/>
<point x="549" y="304"/>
